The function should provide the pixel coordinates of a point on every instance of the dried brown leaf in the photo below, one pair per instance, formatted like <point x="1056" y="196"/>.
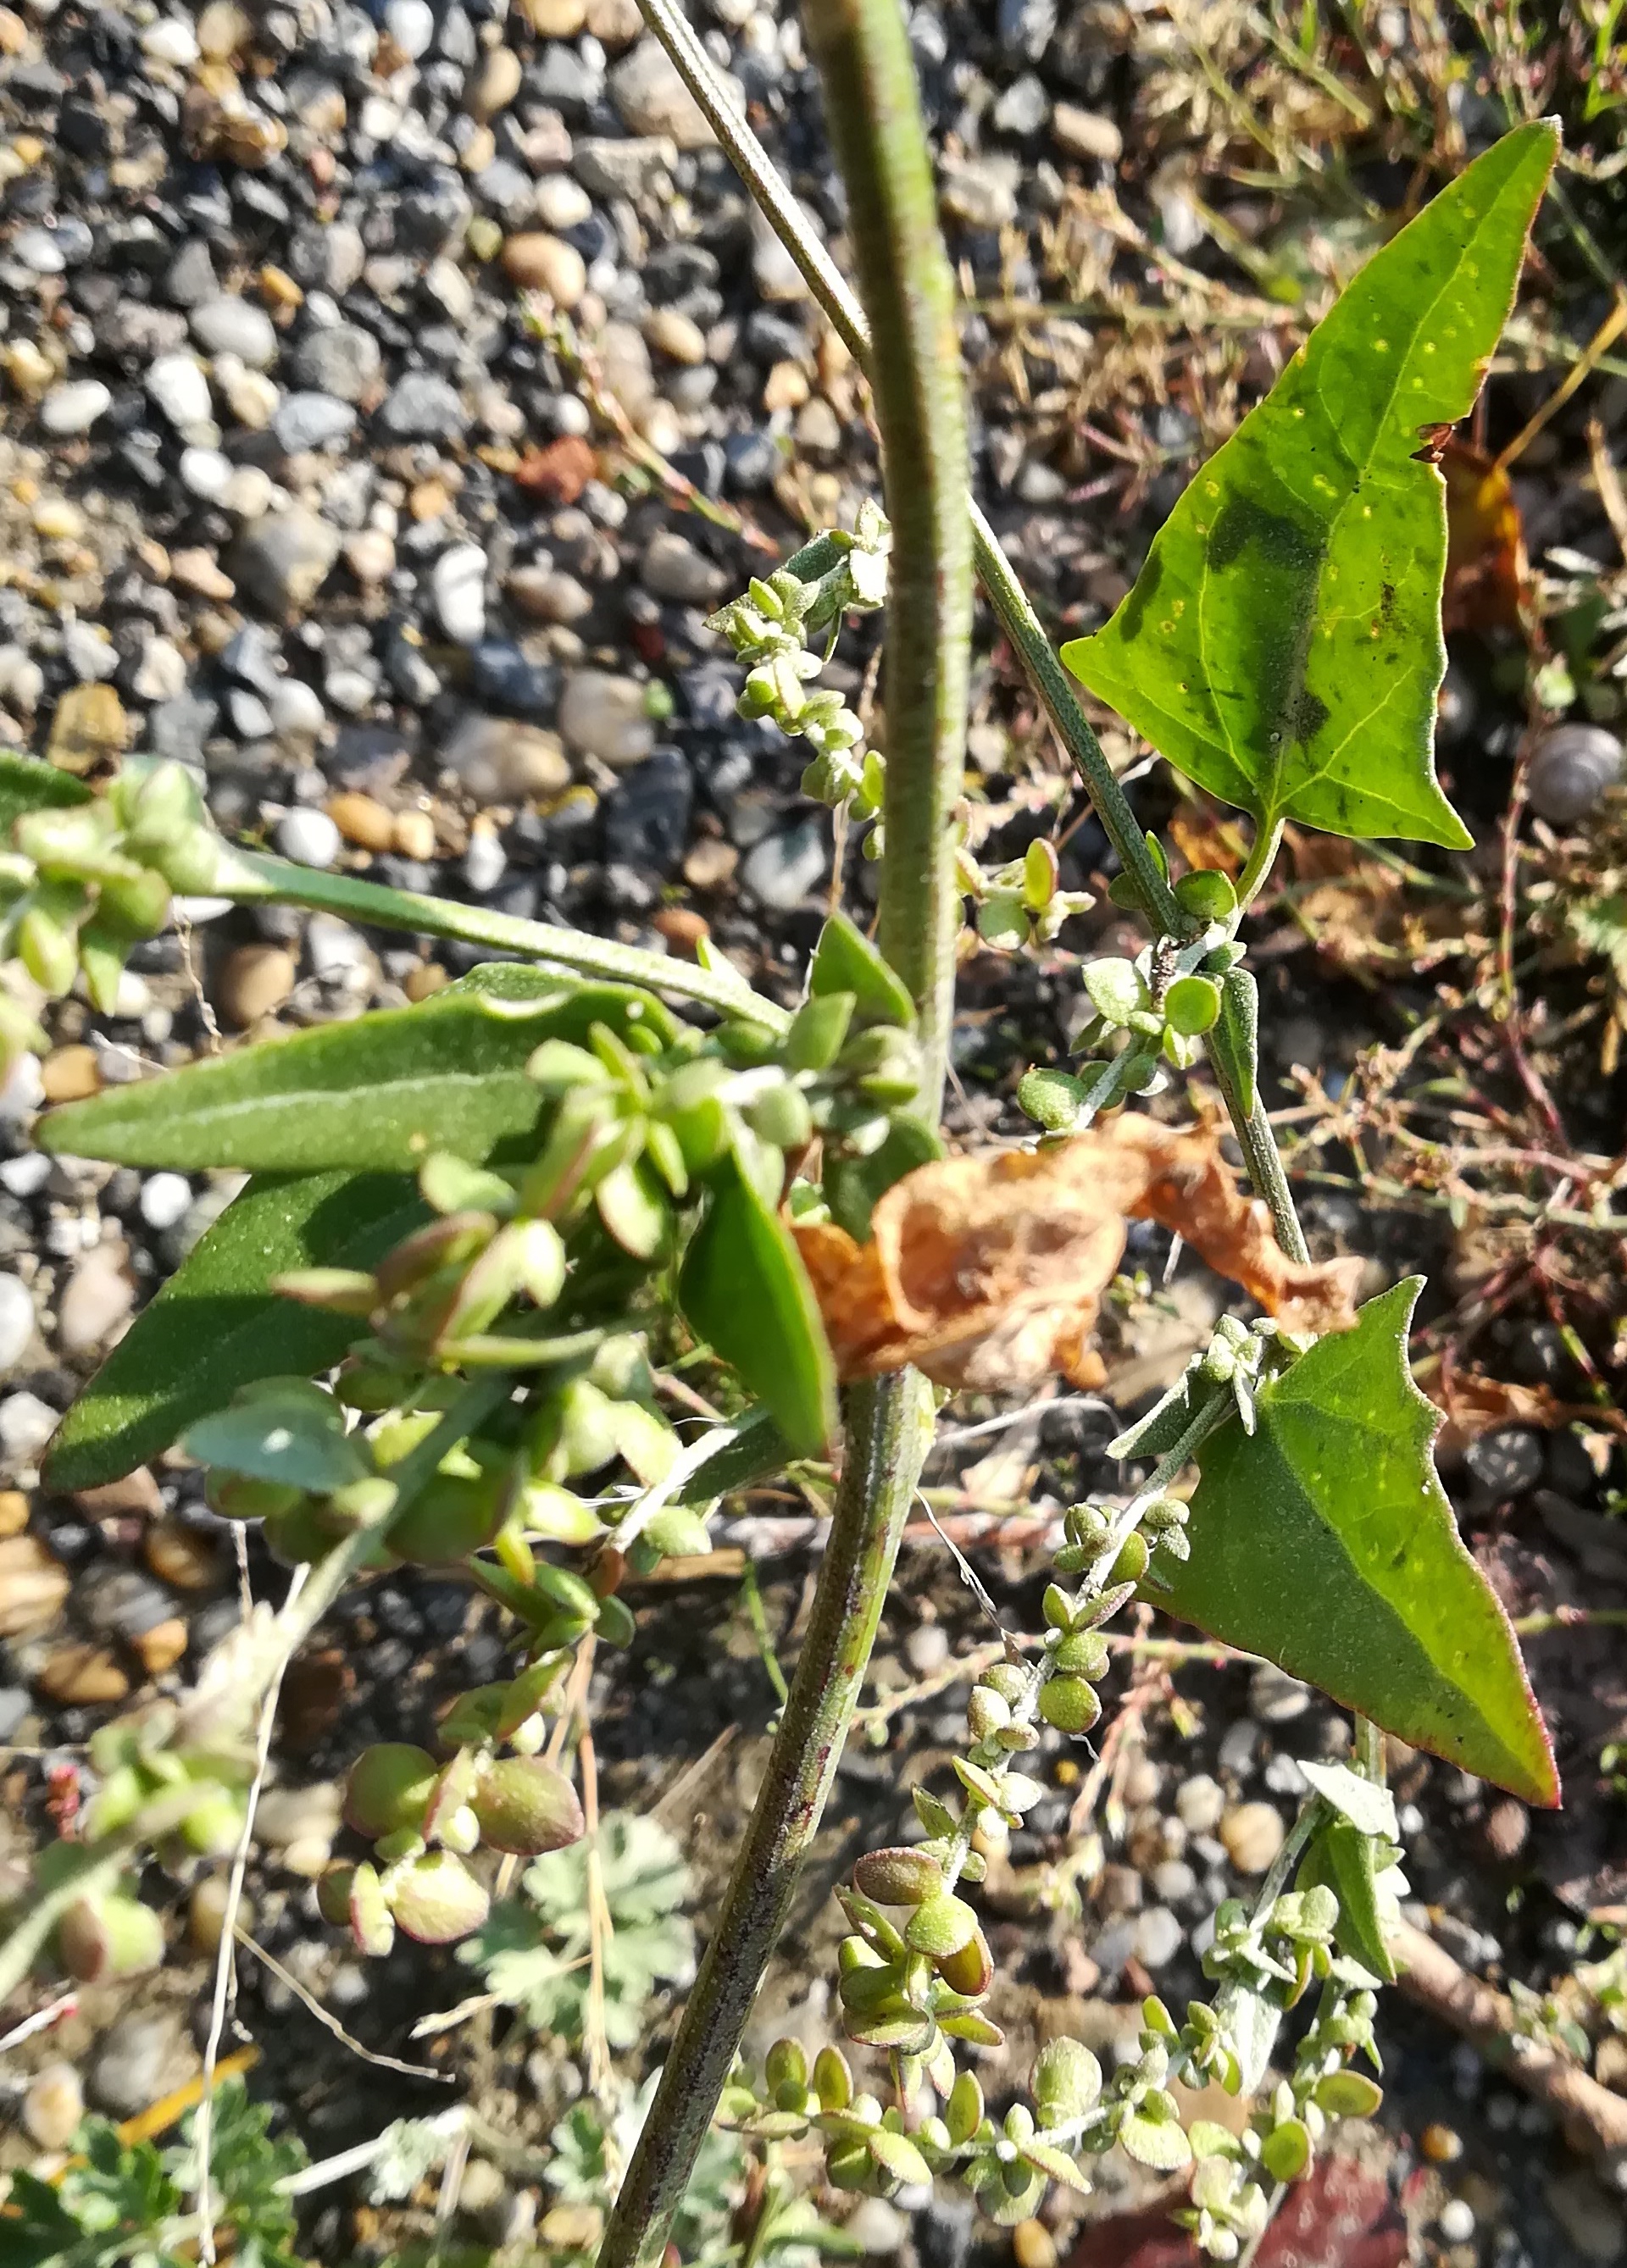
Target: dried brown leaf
<point x="988" y="1272"/>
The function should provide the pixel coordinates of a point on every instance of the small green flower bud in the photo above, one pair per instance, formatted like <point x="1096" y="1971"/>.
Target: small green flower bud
<point x="1131" y="1563"/>
<point x="389" y="1786"/>
<point x="900" y="1876"/>
<point x="1069" y="1704"/>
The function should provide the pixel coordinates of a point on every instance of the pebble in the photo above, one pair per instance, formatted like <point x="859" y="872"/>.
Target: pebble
<point x="26" y="1424"/>
<point x="99" y="1297"/>
<point x="83" y="1676"/>
<point x="342" y="360"/>
<point x="604" y="715"/>
<point x="1440" y="2145"/>
<point x="229" y="324"/>
<point x="179" y="390"/>
<point x="498" y="760"/>
<point x="422" y="407"/>
<point x="186" y="1558"/>
<point x="1087" y="134"/>
<point x="33" y="1587"/>
<point x="161" y="1647"/>
<point x="1033" y="2245"/>
<point x="651" y="99"/>
<point x="411" y="25"/>
<point x="926" y="1648"/>
<point x="71" y="1073"/>
<point x="1456" y="2223"/>
<point x="1276" y="1698"/>
<point x="876" y="2227"/>
<point x="1158" y="1938"/>
<point x="540" y="263"/>
<point x="1571" y="767"/>
<point x="254" y="982"/>
<point x="458" y="584"/>
<point x="53" y="2107"/>
<point x="300" y="1825"/>
<point x="75" y="407"/>
<point x="782" y="869"/>
<point x="495" y="84"/>
<point x="308" y="837"/>
<point x="165" y="1200"/>
<point x="674" y="569"/>
<point x="1252" y="1834"/>
<point x="485" y="863"/>
<point x="206" y="1911"/>
<point x="1505" y="1463"/>
<point x="312" y="421"/>
<point x="17" y="1322"/>
<point x="141" y="2059"/>
<point x="1590" y="2217"/>
<point x="711" y="863"/>
<point x="361" y="820"/>
<point x="281" y="560"/>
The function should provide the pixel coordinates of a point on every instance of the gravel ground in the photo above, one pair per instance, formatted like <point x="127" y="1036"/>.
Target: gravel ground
<point x="297" y="487"/>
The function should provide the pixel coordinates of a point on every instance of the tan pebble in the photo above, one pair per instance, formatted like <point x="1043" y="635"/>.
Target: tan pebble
<point x="1507" y="1825"/>
<point x="255" y="980"/>
<point x="479" y="151"/>
<point x="682" y="928"/>
<point x="711" y="863"/>
<point x="13" y="33"/>
<point x="539" y="263"/>
<point x="1086" y="133"/>
<point x="430" y="500"/>
<point x="427" y="979"/>
<point x="413" y="835"/>
<point x="278" y="289"/>
<point x="82" y="1677"/>
<point x="135" y="1495"/>
<point x="14" y="1512"/>
<point x="363" y="821"/>
<point x="25" y="488"/>
<point x="370" y="555"/>
<point x="494" y="85"/>
<point x="1032" y="2245"/>
<point x="1439" y="2144"/>
<point x="835" y="357"/>
<point x="206" y="1911"/>
<point x="572" y="2227"/>
<point x="95" y="1301"/>
<point x="53" y="2107"/>
<point x="308" y="1855"/>
<point x="89" y="726"/>
<point x="676" y="337"/>
<point x="785" y="387"/>
<point x="182" y="1557"/>
<point x="222" y="28"/>
<point x="32" y="1587"/>
<point x="197" y="570"/>
<point x="162" y="1646"/>
<point x="1253" y="1835"/>
<point x="617" y="23"/>
<point x="555" y="20"/>
<point x="58" y="520"/>
<point x="69" y="1074"/>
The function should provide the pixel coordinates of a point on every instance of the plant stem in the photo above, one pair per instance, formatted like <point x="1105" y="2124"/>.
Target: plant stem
<point x="1017" y="618"/>
<point x="863" y="51"/>
<point x="1261" y="859"/>
<point x="890" y="1424"/>
<point x="256" y="880"/>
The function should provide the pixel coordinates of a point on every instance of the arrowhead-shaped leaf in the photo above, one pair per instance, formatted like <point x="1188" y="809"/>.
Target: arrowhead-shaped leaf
<point x="27" y="785"/>
<point x="745" y="1292"/>
<point x="1282" y="644"/>
<point x="215" y="1327"/>
<point x="375" y="1094"/>
<point x="1324" y="1541"/>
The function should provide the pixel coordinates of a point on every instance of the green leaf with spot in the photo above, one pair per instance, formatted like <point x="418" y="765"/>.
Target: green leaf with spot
<point x="745" y="1291"/>
<point x="377" y="1094"/>
<point x="215" y="1326"/>
<point x="27" y="785"/>
<point x="1324" y="1541"/>
<point x="1282" y="646"/>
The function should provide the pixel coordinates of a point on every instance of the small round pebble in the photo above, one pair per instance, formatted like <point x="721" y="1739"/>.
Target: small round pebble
<point x="53" y="2107"/>
<point x="308" y="837"/>
<point x="17" y="1322"/>
<point x="75" y="407"/>
<point x="926" y="1648"/>
<point x="1199" y="1803"/>
<point x="1457" y="2222"/>
<point x="1252" y="1834"/>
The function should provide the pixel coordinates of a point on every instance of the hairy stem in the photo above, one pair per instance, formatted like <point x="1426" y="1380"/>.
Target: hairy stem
<point x="255" y="879"/>
<point x="863" y="52"/>
<point x="1005" y="595"/>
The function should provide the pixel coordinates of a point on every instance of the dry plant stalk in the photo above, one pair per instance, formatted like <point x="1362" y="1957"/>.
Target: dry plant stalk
<point x="987" y="1273"/>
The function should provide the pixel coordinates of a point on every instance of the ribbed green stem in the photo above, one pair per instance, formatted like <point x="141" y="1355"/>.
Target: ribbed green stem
<point x="863" y="52"/>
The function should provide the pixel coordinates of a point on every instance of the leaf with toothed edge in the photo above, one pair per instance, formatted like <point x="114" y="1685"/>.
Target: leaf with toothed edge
<point x="1282" y="646"/>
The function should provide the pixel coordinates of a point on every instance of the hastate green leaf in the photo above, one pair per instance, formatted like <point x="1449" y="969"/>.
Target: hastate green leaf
<point x="27" y="785"/>
<point x="1282" y="644"/>
<point x="1324" y="1541"/>
<point x="215" y="1327"/>
<point x="375" y="1094"/>
<point x="744" y="1289"/>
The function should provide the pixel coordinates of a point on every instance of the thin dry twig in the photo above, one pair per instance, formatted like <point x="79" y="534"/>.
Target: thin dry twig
<point x="330" y="2022"/>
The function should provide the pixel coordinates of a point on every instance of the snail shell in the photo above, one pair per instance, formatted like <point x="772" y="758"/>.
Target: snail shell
<point x="1571" y="767"/>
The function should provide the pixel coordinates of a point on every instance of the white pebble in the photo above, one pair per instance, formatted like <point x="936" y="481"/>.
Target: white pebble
<point x="411" y="24"/>
<point x="206" y="473"/>
<point x="165" y="1198"/>
<point x="177" y="385"/>
<point x="1457" y="2222"/>
<point x="74" y="408"/>
<point x="250" y="493"/>
<point x="20" y="1177"/>
<point x="1199" y="1802"/>
<point x="170" y="40"/>
<point x="99" y="1297"/>
<point x="22" y="1091"/>
<point x="308" y="837"/>
<point x="459" y="586"/>
<point x="296" y="710"/>
<point x="17" y="1322"/>
<point x="485" y="863"/>
<point x="926" y="1649"/>
<point x="26" y="1424"/>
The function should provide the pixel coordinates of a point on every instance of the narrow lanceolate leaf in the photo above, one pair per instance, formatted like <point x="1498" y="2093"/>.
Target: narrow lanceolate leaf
<point x="1282" y="646"/>
<point x="1324" y="1541"/>
<point x="27" y="785"/>
<point x="377" y="1094"/>
<point x="744" y="1289"/>
<point x="215" y="1327"/>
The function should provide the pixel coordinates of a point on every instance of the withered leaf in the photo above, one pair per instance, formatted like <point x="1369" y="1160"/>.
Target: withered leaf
<point x="988" y="1272"/>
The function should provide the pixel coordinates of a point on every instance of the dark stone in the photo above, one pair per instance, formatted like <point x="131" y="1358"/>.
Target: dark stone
<point x="647" y="816"/>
